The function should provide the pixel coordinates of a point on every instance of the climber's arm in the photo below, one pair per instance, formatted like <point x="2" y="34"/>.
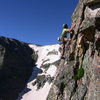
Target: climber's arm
<point x="69" y="30"/>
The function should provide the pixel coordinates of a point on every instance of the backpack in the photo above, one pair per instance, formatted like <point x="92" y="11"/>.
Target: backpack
<point x="60" y="39"/>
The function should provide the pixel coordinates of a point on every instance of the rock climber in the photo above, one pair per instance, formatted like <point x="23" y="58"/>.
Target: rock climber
<point x="63" y="38"/>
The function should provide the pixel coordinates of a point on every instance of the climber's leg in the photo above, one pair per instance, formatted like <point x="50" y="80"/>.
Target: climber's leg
<point x="63" y="50"/>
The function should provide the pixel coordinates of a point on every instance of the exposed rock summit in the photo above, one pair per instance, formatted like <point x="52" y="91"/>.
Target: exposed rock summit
<point x="16" y="66"/>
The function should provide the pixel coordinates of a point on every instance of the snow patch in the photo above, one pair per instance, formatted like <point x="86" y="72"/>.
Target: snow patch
<point x="46" y="55"/>
<point x="52" y="70"/>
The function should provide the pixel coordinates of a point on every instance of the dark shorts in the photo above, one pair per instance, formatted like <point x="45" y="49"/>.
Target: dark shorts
<point x="62" y="39"/>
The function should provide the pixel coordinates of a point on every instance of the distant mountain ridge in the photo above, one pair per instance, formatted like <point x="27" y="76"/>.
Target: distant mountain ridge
<point x="23" y="62"/>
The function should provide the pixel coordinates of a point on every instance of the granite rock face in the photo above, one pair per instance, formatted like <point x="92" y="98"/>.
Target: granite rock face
<point x="16" y="65"/>
<point x="82" y="56"/>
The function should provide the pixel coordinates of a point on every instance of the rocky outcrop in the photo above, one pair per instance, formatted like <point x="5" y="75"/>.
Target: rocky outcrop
<point x="16" y="66"/>
<point x="78" y="77"/>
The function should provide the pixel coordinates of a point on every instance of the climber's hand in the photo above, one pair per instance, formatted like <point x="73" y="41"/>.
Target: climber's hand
<point x="73" y="26"/>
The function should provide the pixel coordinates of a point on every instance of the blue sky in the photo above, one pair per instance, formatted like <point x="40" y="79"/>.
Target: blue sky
<point x="35" y="21"/>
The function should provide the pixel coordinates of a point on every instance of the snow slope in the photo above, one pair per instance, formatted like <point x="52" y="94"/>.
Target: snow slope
<point x="46" y="55"/>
